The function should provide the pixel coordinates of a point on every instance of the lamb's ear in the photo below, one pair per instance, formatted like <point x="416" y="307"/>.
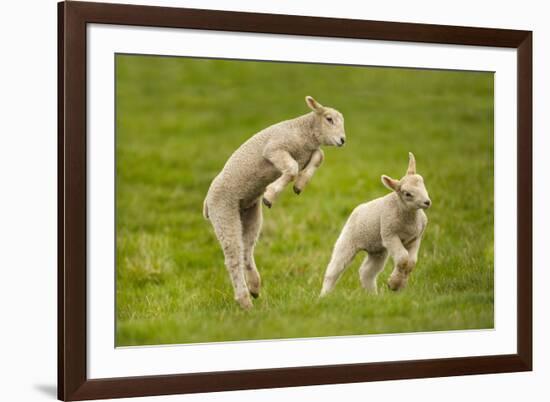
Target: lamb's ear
<point x="390" y="183"/>
<point x="314" y="105"/>
<point x="412" y="164"/>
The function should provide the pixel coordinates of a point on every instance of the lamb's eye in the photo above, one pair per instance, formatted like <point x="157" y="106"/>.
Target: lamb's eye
<point x="329" y="119"/>
<point x="407" y="194"/>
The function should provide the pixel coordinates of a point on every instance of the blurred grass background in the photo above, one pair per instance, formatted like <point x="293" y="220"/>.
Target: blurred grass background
<point x="179" y="119"/>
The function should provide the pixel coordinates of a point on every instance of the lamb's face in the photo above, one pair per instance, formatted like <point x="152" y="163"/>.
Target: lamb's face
<point x="332" y="128"/>
<point x="331" y="123"/>
<point x="413" y="192"/>
<point x="411" y="188"/>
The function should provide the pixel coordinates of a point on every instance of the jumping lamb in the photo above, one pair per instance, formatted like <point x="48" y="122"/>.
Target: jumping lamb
<point x="260" y="169"/>
<point x="393" y="224"/>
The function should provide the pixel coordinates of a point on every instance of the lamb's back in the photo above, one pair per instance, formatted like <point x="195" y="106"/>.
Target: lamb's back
<point x="246" y="173"/>
<point x="364" y="225"/>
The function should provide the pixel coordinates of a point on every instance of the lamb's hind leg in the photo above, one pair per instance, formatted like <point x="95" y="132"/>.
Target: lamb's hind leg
<point x="252" y="224"/>
<point x="372" y="265"/>
<point x="343" y="254"/>
<point x="228" y="227"/>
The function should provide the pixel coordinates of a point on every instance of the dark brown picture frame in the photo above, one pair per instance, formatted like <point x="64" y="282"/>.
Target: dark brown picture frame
<point x="73" y="383"/>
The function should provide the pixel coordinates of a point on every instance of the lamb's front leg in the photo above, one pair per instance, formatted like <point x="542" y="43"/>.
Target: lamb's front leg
<point x="285" y="163"/>
<point x="413" y="252"/>
<point x="307" y="173"/>
<point x="402" y="267"/>
<point x="369" y="270"/>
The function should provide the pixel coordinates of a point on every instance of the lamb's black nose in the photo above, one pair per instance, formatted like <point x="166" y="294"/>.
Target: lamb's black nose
<point x="427" y="203"/>
<point x="342" y="140"/>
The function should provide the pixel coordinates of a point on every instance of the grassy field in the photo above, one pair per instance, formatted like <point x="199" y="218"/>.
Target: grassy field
<point x="178" y="120"/>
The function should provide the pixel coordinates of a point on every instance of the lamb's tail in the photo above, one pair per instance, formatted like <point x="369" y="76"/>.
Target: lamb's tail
<point x="205" y="209"/>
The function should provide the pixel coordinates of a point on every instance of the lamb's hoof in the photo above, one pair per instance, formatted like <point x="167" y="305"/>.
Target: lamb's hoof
<point x="245" y="303"/>
<point x="371" y="291"/>
<point x="297" y="190"/>
<point x="395" y="287"/>
<point x="254" y="294"/>
<point x="267" y="203"/>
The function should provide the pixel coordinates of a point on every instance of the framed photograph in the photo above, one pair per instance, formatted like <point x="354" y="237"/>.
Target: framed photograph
<point x="252" y="200"/>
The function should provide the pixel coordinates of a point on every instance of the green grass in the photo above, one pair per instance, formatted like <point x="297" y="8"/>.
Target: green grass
<point x="179" y="119"/>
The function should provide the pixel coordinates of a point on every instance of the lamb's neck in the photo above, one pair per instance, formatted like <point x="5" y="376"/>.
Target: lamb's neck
<point x="406" y="214"/>
<point x="309" y="128"/>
